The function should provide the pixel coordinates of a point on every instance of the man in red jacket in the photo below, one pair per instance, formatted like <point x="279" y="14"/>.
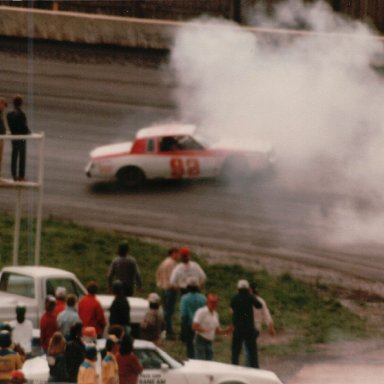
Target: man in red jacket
<point x="90" y="310"/>
<point x="48" y="325"/>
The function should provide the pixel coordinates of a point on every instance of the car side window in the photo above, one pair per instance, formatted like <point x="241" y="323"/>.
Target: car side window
<point x="149" y="358"/>
<point x="68" y="284"/>
<point x="169" y="144"/>
<point x="18" y="284"/>
<point x="150" y="145"/>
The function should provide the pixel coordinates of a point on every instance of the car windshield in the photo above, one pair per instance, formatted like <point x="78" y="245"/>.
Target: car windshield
<point x="173" y="363"/>
<point x="205" y="140"/>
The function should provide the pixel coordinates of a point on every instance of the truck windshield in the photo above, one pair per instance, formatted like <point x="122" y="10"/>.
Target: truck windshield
<point x="17" y="284"/>
<point x="68" y="284"/>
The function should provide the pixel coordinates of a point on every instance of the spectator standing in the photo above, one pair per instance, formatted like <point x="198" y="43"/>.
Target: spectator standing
<point x="163" y="281"/>
<point x="3" y="129"/>
<point x="185" y="269"/>
<point x="22" y="330"/>
<point x="125" y="269"/>
<point x="189" y="304"/>
<point x="262" y="315"/>
<point x="48" y="324"/>
<point x="206" y="325"/>
<point x="17" y="122"/>
<point x="75" y="352"/>
<point x="68" y="317"/>
<point x="109" y="366"/>
<point x="129" y="365"/>
<point x="90" y="310"/>
<point x="56" y="359"/>
<point x="119" y="313"/>
<point x="242" y="305"/>
<point x="87" y="371"/>
<point x="153" y="322"/>
<point x="9" y="359"/>
<point x="61" y="302"/>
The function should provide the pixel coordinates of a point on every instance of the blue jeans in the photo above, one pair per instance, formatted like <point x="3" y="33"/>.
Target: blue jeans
<point x="170" y="296"/>
<point x="203" y="348"/>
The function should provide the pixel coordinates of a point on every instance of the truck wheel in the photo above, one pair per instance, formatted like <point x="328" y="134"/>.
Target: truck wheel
<point x="131" y="177"/>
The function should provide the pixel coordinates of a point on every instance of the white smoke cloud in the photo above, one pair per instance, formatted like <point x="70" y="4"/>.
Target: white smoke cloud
<point x="315" y="96"/>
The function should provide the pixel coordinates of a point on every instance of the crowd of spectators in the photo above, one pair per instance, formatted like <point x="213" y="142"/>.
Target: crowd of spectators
<point x="70" y="326"/>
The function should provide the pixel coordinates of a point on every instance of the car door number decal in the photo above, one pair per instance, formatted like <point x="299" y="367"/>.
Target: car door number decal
<point x="152" y="379"/>
<point x="184" y="167"/>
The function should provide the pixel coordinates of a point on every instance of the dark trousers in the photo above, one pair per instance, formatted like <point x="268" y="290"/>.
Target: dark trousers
<point x="19" y="151"/>
<point x="248" y="337"/>
<point x="128" y="290"/>
<point x="170" y="296"/>
<point x="187" y="337"/>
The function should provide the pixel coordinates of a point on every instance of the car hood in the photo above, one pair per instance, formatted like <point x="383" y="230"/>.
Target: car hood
<point x="111" y="149"/>
<point x="228" y="371"/>
<point x="138" y="306"/>
<point x="242" y="145"/>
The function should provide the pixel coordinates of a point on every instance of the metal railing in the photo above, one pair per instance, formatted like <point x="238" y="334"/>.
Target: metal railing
<point x="19" y="187"/>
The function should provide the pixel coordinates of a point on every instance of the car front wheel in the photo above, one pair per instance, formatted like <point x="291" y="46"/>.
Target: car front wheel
<point x="131" y="177"/>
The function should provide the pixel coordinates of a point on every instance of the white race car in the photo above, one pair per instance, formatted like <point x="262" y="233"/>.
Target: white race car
<point x="160" y="368"/>
<point x="177" y="151"/>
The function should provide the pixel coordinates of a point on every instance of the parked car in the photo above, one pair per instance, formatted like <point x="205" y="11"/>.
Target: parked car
<point x="161" y="368"/>
<point x="177" y="151"/>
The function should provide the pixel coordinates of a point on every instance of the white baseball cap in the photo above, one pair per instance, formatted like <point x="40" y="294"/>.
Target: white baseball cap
<point x="243" y="284"/>
<point x="154" y="298"/>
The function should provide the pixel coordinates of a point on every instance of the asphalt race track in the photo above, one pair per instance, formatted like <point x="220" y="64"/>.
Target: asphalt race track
<point x="82" y="97"/>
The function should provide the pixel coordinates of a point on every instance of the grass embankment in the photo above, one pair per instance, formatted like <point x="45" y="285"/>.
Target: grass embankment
<point x="304" y="314"/>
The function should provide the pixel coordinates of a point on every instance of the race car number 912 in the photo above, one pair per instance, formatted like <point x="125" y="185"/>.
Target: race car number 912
<point x="184" y="167"/>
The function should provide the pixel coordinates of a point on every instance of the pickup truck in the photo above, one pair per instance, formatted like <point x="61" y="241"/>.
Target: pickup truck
<point x="31" y="285"/>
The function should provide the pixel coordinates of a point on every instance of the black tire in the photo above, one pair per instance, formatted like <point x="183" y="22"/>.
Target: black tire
<point x="130" y="177"/>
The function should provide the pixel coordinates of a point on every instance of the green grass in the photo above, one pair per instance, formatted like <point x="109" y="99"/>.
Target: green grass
<point x="305" y="313"/>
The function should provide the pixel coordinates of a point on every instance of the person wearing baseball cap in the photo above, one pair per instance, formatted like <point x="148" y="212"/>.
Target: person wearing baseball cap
<point x="185" y="269"/>
<point x="206" y="325"/>
<point x="22" y="329"/>
<point x="61" y="303"/>
<point x="153" y="323"/>
<point x="244" y="331"/>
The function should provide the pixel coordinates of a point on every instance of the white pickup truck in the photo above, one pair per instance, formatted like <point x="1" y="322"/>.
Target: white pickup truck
<point x="31" y="285"/>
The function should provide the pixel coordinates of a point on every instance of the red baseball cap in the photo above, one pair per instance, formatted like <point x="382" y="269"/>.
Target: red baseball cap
<point x="184" y="251"/>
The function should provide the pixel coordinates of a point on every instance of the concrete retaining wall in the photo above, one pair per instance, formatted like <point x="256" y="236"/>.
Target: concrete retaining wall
<point x="85" y="28"/>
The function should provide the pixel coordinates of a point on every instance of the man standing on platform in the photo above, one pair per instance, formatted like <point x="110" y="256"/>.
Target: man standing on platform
<point x="17" y="122"/>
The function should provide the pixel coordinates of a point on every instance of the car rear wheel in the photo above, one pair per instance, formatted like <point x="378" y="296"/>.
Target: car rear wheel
<point x="131" y="177"/>
<point x="235" y="168"/>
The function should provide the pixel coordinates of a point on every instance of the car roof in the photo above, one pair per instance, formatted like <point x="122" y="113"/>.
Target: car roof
<point x="37" y="271"/>
<point x="166" y="130"/>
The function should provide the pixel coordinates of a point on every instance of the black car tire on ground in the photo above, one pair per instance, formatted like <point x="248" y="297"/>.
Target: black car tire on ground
<point x="130" y="177"/>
